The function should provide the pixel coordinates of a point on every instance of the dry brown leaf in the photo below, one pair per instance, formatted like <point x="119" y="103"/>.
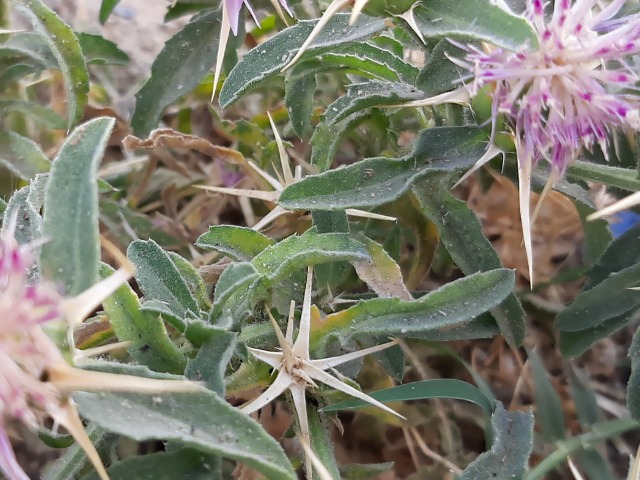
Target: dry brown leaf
<point x="167" y="137"/>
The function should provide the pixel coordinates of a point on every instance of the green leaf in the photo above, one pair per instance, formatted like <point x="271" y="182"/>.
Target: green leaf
<point x="210" y="365"/>
<point x="240" y="243"/>
<point x="610" y="298"/>
<point x="22" y="156"/>
<point x="575" y="343"/>
<point x="364" y="471"/>
<point x="231" y="303"/>
<point x="633" y="389"/>
<point x="369" y="60"/>
<point x="600" y="432"/>
<point x="72" y="254"/>
<point x="624" y="178"/>
<point x="440" y="74"/>
<point x="426" y="389"/>
<point x="461" y="234"/>
<point x="160" y="279"/>
<point x="376" y="181"/>
<point x="451" y="305"/>
<point x="40" y="114"/>
<point x="192" y="278"/>
<point x="299" y="94"/>
<point x="512" y="444"/>
<point x="623" y="252"/>
<point x="380" y="272"/>
<point x="149" y="343"/>
<point x="587" y="408"/>
<point x="27" y="213"/>
<point x="592" y="464"/>
<point x="327" y="138"/>
<point x="100" y="51"/>
<point x="183" y="62"/>
<point x="95" y="49"/>
<point x="74" y="460"/>
<point x="201" y="420"/>
<point x="185" y="463"/>
<point x="106" y="7"/>
<point x="548" y="403"/>
<point x="321" y="441"/>
<point x="66" y="48"/>
<point x="294" y="253"/>
<point x="268" y="59"/>
<point x="480" y="20"/>
<point x="370" y="94"/>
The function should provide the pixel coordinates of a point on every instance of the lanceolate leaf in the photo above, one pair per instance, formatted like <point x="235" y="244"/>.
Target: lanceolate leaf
<point x="370" y="94"/>
<point x="201" y="420"/>
<point x="268" y="59"/>
<point x="106" y="7"/>
<point x="426" y="389"/>
<point x="376" y="181"/>
<point x="633" y="390"/>
<point x="238" y="242"/>
<point x="22" y="156"/>
<point x="183" y="62"/>
<point x="71" y="255"/>
<point x="462" y="236"/>
<point x="149" y="343"/>
<point x="43" y="115"/>
<point x="296" y="252"/>
<point x="160" y="279"/>
<point x="512" y="445"/>
<point x="187" y="463"/>
<point x="66" y="48"/>
<point x="451" y="305"/>
<point x="610" y="298"/>
<point x="477" y="19"/>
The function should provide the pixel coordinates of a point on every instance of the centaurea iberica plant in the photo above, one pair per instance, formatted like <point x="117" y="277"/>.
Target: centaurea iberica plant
<point x="562" y="96"/>
<point x="35" y="378"/>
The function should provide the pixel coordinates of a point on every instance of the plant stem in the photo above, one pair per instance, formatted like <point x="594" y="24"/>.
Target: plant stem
<point x="4" y="14"/>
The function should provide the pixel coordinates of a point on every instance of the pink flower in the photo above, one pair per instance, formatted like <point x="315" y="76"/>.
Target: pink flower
<point x="564" y="95"/>
<point x="572" y="89"/>
<point x="35" y="379"/>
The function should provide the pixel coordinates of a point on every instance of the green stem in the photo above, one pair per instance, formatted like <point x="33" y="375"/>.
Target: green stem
<point x="4" y="14"/>
<point x="599" y="432"/>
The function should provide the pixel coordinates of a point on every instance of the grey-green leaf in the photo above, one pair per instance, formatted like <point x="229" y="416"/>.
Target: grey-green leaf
<point x="425" y="389"/>
<point x="72" y="253"/>
<point x="268" y="59"/>
<point x="183" y="62"/>
<point x="160" y="279"/>
<point x="201" y="420"/>
<point x="376" y="181"/>
<point x="509" y="454"/>
<point x="22" y="156"/>
<point x="66" y="48"/>
<point x="239" y="242"/>
<point x="610" y="298"/>
<point x="480" y="20"/>
<point x="461" y="234"/>
<point x="149" y="343"/>
<point x="633" y="389"/>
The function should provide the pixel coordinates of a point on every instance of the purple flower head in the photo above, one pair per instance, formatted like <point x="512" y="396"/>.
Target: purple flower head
<point x="25" y="350"/>
<point x="564" y="95"/>
<point x="35" y="378"/>
<point x="233" y="8"/>
<point x="567" y="93"/>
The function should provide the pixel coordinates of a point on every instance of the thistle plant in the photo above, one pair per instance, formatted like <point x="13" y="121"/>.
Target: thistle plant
<point x="227" y="348"/>
<point x="561" y="94"/>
